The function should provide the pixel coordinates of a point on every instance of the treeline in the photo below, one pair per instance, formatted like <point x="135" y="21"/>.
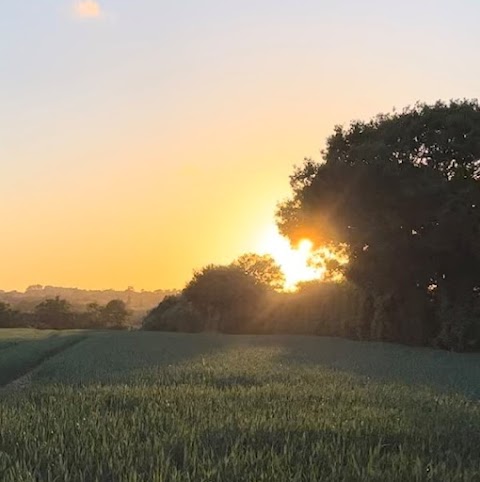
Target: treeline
<point x="58" y="314"/>
<point x="398" y="195"/>
<point x="227" y="300"/>
<point x="80" y="298"/>
<point x="244" y="297"/>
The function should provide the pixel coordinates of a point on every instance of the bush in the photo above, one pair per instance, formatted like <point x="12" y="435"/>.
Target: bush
<point x="54" y="313"/>
<point x="228" y="298"/>
<point x="8" y="317"/>
<point x="174" y="313"/>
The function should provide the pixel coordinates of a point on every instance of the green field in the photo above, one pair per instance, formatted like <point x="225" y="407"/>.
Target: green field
<point x="23" y="350"/>
<point x="137" y="406"/>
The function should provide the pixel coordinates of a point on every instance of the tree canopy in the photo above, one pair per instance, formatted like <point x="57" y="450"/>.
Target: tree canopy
<point x="226" y="296"/>
<point x="263" y="268"/>
<point x="115" y="314"/>
<point x="7" y="316"/>
<point x="402" y="192"/>
<point x="54" y="313"/>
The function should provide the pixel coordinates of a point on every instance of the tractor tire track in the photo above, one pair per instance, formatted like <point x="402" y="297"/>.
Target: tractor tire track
<point x="23" y="380"/>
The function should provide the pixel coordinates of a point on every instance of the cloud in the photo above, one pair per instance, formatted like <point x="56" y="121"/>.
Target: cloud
<point x="87" y="9"/>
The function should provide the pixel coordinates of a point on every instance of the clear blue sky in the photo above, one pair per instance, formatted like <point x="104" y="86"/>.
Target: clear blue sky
<point x="142" y="139"/>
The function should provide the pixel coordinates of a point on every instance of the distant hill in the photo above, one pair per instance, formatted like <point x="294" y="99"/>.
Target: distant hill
<point x="79" y="298"/>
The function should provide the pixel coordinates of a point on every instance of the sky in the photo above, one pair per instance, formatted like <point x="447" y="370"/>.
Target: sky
<point x="142" y="140"/>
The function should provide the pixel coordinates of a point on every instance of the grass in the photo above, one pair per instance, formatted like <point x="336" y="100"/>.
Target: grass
<point x="23" y="350"/>
<point x="167" y="407"/>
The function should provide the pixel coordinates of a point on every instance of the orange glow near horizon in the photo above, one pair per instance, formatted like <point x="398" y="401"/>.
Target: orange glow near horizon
<point x="140" y="141"/>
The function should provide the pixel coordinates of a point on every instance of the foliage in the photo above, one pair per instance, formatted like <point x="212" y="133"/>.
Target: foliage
<point x="58" y="314"/>
<point x="263" y="268"/>
<point x="168" y="407"/>
<point x="402" y="192"/>
<point x="174" y="313"/>
<point x="92" y="317"/>
<point x="54" y="313"/>
<point x="80" y="298"/>
<point x="115" y="314"/>
<point x="8" y="316"/>
<point x="317" y="308"/>
<point x="226" y="296"/>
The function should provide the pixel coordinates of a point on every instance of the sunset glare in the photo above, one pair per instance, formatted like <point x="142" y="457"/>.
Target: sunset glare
<point x="140" y="141"/>
<point x="294" y="261"/>
<point x="239" y="240"/>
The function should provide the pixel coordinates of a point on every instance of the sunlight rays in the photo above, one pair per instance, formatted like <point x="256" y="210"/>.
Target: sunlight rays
<point x="294" y="262"/>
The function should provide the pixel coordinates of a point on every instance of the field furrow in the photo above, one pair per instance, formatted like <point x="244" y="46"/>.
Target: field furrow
<point x="19" y="358"/>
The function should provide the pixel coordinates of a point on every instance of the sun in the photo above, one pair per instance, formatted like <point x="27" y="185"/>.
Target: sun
<point x="293" y="262"/>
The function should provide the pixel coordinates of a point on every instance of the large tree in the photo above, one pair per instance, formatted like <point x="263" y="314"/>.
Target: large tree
<point x="402" y="192"/>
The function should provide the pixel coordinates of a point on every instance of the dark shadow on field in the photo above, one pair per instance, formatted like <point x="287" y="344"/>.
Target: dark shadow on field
<point x="135" y="357"/>
<point x="18" y="357"/>
<point x="387" y="362"/>
<point x="159" y="357"/>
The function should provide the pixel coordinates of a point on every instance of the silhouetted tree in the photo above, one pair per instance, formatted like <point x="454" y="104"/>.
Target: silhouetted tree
<point x="115" y="314"/>
<point x="226" y="296"/>
<point x="174" y="313"/>
<point x="263" y="268"/>
<point x="402" y="192"/>
<point x="93" y="316"/>
<point x="8" y="317"/>
<point x="54" y="313"/>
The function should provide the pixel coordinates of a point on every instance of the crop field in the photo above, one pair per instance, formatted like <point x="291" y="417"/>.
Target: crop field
<point x="23" y="350"/>
<point x="138" y="406"/>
